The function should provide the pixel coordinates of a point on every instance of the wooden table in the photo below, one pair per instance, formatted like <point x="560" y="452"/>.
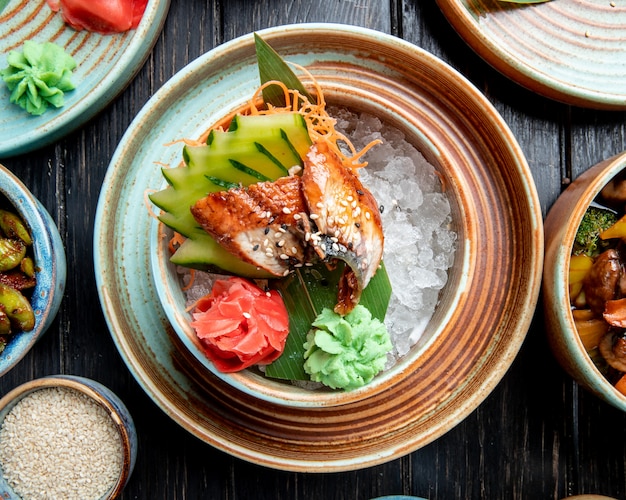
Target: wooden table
<point x="538" y="435"/>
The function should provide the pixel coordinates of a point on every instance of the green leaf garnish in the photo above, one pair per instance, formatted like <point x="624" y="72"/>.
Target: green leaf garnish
<point x="3" y="4"/>
<point x="273" y="67"/>
<point x="305" y="293"/>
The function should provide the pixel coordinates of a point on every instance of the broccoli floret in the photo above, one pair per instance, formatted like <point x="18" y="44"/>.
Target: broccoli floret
<point x="594" y="221"/>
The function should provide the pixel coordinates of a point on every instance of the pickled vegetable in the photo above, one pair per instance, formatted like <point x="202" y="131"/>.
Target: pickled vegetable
<point x="17" y="277"/>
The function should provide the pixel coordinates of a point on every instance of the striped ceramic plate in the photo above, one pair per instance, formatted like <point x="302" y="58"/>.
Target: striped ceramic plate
<point x="568" y="50"/>
<point x="105" y="65"/>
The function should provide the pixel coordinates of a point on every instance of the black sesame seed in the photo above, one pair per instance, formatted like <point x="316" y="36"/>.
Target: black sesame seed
<point x="358" y="191"/>
<point x="267" y="230"/>
<point x="381" y="208"/>
<point x="255" y="248"/>
<point x="357" y="224"/>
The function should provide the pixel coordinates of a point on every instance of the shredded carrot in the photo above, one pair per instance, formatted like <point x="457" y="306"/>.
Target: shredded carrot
<point x="175" y="241"/>
<point x="320" y="124"/>
<point x="148" y="203"/>
<point x="192" y="279"/>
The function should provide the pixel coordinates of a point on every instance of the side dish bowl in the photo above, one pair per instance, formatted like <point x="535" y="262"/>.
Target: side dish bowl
<point x="483" y="314"/>
<point x="100" y="403"/>
<point x="50" y="266"/>
<point x="561" y="225"/>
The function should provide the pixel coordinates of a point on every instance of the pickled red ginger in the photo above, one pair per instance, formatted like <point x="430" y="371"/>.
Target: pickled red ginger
<point x="100" y="16"/>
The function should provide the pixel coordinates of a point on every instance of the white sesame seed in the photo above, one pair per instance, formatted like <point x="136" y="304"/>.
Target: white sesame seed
<point x="281" y="243"/>
<point x="368" y="215"/>
<point x="297" y="216"/>
<point x="294" y="250"/>
<point x="286" y="210"/>
<point x="335" y="247"/>
<point x="58" y="443"/>
<point x="343" y="203"/>
<point x="284" y="256"/>
<point x="247" y="315"/>
<point x="319" y="204"/>
<point x="314" y="216"/>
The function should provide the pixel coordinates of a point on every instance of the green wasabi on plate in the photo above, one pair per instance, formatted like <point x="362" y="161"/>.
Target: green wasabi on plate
<point x="39" y="76"/>
<point x="346" y="352"/>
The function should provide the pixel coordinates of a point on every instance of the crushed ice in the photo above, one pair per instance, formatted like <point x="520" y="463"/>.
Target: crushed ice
<point x="419" y="243"/>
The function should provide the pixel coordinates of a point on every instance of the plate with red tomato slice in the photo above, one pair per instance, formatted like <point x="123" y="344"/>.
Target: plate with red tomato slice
<point x="109" y="42"/>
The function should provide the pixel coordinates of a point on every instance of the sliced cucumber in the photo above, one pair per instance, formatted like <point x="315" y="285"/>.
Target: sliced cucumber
<point x="254" y="149"/>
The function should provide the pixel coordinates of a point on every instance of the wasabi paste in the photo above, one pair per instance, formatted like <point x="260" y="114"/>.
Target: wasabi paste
<point x="346" y="352"/>
<point x="39" y="76"/>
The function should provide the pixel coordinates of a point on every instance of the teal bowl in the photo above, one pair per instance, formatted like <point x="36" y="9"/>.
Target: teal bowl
<point x="50" y="263"/>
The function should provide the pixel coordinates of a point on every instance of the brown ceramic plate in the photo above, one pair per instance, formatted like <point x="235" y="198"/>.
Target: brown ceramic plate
<point x="568" y="50"/>
<point x="561" y="226"/>
<point x="484" y="312"/>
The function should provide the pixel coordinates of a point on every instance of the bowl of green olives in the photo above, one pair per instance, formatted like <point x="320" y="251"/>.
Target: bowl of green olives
<point x="32" y="270"/>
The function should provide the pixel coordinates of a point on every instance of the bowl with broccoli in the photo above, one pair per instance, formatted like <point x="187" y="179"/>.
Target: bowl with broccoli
<point x="584" y="281"/>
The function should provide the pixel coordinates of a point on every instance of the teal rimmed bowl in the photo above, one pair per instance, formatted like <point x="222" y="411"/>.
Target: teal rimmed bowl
<point x="50" y="263"/>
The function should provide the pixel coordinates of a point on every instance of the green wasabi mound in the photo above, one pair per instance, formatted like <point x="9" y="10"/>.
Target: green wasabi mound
<point x="39" y="76"/>
<point x="346" y="352"/>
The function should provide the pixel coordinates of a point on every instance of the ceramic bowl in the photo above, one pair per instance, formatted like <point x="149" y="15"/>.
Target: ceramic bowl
<point x="101" y="395"/>
<point x="49" y="257"/>
<point x="483" y="313"/>
<point x="397" y="100"/>
<point x="561" y="225"/>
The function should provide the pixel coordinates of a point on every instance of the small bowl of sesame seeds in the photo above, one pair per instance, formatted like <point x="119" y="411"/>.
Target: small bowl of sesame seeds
<point x="65" y="436"/>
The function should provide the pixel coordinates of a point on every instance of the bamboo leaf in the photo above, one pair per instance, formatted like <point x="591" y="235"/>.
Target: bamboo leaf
<point x="305" y="293"/>
<point x="273" y="67"/>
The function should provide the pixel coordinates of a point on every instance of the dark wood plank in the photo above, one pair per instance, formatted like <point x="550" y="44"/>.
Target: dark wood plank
<point x="536" y="436"/>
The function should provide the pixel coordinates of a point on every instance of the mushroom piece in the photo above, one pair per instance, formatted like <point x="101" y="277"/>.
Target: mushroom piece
<point x="614" y="192"/>
<point x="613" y="349"/>
<point x="604" y="281"/>
<point x="615" y="312"/>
